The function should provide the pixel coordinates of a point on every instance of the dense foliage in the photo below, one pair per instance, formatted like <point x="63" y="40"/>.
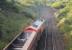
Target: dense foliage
<point x="64" y="16"/>
<point x="14" y="15"/>
<point x="13" y="18"/>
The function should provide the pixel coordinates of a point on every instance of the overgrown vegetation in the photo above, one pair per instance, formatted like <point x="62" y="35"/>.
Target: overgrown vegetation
<point x="14" y="15"/>
<point x="64" y="16"/>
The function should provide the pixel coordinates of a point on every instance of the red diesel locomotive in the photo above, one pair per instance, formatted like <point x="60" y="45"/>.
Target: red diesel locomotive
<point x="27" y="40"/>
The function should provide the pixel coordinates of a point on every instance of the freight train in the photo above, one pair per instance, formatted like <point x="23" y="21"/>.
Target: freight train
<point x="27" y="40"/>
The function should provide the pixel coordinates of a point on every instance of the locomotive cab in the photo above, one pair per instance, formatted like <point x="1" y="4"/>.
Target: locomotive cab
<point x="28" y="38"/>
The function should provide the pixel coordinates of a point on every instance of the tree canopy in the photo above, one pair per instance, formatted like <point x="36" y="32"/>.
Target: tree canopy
<point x="64" y="16"/>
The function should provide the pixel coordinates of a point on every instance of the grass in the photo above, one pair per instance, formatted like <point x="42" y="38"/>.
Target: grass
<point x="11" y="26"/>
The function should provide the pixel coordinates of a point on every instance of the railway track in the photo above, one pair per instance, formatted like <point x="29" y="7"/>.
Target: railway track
<point x="51" y="38"/>
<point x="45" y="42"/>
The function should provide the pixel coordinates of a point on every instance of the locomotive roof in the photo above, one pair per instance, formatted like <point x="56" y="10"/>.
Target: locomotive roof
<point x="37" y="22"/>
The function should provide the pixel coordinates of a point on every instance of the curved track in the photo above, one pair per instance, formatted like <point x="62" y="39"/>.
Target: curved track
<point x="51" y="38"/>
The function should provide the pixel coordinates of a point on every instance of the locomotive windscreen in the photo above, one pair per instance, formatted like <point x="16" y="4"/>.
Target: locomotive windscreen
<point x="36" y="23"/>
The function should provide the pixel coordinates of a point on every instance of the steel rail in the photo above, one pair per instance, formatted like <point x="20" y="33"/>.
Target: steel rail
<point x="45" y="39"/>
